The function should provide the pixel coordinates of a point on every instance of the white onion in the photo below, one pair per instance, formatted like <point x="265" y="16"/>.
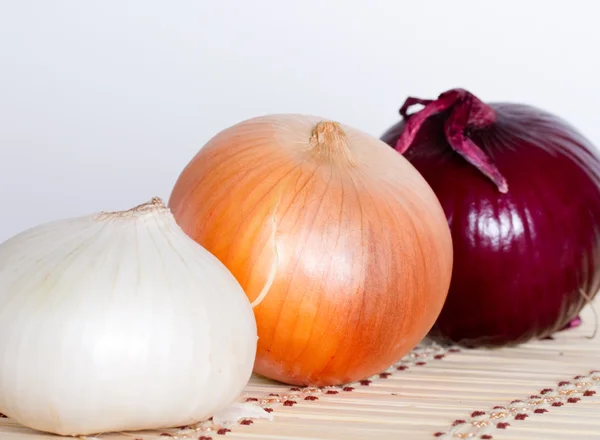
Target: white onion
<point x="117" y="322"/>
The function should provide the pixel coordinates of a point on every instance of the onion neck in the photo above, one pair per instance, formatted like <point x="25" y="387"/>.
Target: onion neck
<point x="466" y="111"/>
<point x="154" y="206"/>
<point x="329" y="141"/>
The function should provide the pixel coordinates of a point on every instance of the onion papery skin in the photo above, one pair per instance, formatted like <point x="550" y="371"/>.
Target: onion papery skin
<point x="527" y="260"/>
<point x="344" y="239"/>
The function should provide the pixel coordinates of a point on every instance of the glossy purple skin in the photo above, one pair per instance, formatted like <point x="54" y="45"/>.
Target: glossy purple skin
<point x="524" y="261"/>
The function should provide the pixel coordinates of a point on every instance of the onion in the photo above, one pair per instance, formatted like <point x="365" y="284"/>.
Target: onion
<point x="119" y="322"/>
<point x="337" y="240"/>
<point x="521" y="192"/>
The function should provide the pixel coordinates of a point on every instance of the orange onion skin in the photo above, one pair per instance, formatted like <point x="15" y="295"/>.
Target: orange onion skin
<point x="339" y="240"/>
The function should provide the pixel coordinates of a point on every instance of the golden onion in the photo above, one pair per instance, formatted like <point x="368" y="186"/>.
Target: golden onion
<point x="338" y="241"/>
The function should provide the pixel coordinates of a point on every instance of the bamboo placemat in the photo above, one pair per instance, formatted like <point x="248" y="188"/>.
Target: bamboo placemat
<point x="543" y="390"/>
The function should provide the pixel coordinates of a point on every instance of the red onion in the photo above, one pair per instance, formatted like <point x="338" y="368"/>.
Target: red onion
<point x="521" y="192"/>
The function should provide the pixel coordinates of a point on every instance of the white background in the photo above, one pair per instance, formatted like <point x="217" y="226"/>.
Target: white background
<point x="102" y="103"/>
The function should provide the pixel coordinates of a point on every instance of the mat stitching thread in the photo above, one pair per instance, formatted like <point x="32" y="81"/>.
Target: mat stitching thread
<point x="483" y="424"/>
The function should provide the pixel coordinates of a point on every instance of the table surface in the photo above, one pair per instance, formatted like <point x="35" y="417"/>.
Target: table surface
<point x="542" y="390"/>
